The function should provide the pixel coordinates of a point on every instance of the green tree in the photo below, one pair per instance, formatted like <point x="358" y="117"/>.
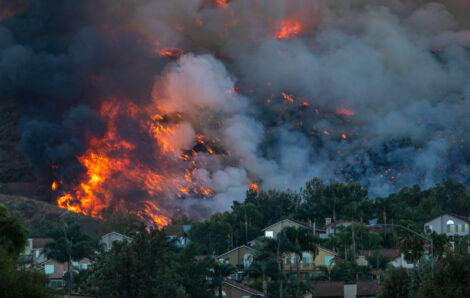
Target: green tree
<point x="13" y="235"/>
<point x="451" y="278"/>
<point x="219" y="272"/>
<point x="212" y="235"/>
<point x="16" y="283"/>
<point x="300" y="240"/>
<point x="69" y="244"/>
<point x="395" y="284"/>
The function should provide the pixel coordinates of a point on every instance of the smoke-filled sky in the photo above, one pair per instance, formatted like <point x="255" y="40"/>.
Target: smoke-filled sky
<point x="267" y="92"/>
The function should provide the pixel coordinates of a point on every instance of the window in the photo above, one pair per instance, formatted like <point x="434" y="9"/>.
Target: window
<point x="247" y="260"/>
<point x="269" y="234"/>
<point x="83" y="266"/>
<point x="466" y="228"/>
<point x="329" y="260"/>
<point x="49" y="269"/>
<point x="428" y="228"/>
<point x="306" y="257"/>
<point x="450" y="226"/>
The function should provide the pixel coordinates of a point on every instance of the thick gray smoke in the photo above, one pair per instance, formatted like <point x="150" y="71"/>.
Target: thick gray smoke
<point x="370" y="91"/>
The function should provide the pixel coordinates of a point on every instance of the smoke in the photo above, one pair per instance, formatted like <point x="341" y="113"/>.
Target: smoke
<point x="376" y="93"/>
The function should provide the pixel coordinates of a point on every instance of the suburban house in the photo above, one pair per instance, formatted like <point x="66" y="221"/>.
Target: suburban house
<point x="309" y="265"/>
<point x="107" y="240"/>
<point x="178" y="233"/>
<point x="55" y="271"/>
<point x="337" y="289"/>
<point x="240" y="257"/>
<point x="396" y="258"/>
<point x="449" y="224"/>
<point x="233" y="289"/>
<point x="339" y="224"/>
<point x="32" y="255"/>
<point x="274" y="229"/>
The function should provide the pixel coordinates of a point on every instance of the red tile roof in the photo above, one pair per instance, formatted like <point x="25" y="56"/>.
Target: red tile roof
<point x="242" y="287"/>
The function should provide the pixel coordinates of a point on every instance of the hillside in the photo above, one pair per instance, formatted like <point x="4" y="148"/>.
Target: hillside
<point x="41" y="215"/>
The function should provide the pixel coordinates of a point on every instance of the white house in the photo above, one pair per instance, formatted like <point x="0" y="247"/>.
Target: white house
<point x="108" y="239"/>
<point x="449" y="224"/>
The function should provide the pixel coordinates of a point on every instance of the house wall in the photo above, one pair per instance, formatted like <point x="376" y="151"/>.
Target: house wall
<point x="320" y="260"/>
<point x="236" y="257"/>
<point x="277" y="228"/>
<point x="401" y="262"/>
<point x="439" y="225"/>
<point x="108" y="240"/>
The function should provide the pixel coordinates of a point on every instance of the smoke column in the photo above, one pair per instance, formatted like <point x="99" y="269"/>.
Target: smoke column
<point x="170" y="107"/>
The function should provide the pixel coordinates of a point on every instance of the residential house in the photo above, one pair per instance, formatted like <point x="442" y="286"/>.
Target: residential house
<point x="178" y="233"/>
<point x="274" y="229"/>
<point x="240" y="257"/>
<point x="32" y="254"/>
<point x="107" y="240"/>
<point x="339" y="224"/>
<point x="337" y="289"/>
<point x="233" y="289"/>
<point x="55" y="271"/>
<point x="397" y="259"/>
<point x="309" y="265"/>
<point x="450" y="224"/>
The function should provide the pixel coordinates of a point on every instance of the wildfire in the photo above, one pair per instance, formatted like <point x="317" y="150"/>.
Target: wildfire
<point x="113" y="167"/>
<point x="171" y="52"/>
<point x="289" y="28"/>
<point x="54" y="185"/>
<point x="254" y="187"/>
<point x="342" y="111"/>
<point x="288" y="97"/>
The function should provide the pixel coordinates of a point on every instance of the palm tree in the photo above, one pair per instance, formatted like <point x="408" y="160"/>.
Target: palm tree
<point x="300" y="240"/>
<point x="69" y="244"/>
<point x="220" y="271"/>
<point x="268" y="262"/>
<point x="412" y="248"/>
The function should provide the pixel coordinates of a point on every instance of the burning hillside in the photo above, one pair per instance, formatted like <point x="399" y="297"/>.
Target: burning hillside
<point x="163" y="108"/>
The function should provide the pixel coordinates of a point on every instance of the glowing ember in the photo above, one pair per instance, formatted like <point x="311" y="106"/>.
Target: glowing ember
<point x="325" y="132"/>
<point x="54" y="185"/>
<point x="288" y="97"/>
<point x="290" y="28"/>
<point x="342" y="111"/>
<point x="171" y="52"/>
<point x="344" y="136"/>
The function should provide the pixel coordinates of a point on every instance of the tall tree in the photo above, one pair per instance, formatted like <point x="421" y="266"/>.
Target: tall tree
<point x="13" y="235"/>
<point x="220" y="271"/>
<point x="69" y="244"/>
<point x="395" y="284"/>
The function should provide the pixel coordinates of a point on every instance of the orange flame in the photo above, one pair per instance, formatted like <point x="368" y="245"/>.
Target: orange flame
<point x="171" y="52"/>
<point x="289" y="28"/>
<point x="111" y="168"/>
<point x="288" y="97"/>
<point x="54" y="185"/>
<point x="342" y="111"/>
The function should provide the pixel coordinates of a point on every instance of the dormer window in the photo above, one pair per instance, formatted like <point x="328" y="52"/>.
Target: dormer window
<point x="269" y="234"/>
<point x="450" y="226"/>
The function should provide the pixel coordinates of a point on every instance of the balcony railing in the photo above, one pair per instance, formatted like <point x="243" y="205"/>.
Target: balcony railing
<point x="302" y="267"/>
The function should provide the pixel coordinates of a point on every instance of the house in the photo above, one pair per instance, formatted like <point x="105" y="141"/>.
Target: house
<point x="449" y="224"/>
<point x="337" y="289"/>
<point x="178" y="233"/>
<point x="339" y="224"/>
<point x="240" y="257"/>
<point x="32" y="254"/>
<point x="274" y="229"/>
<point x="397" y="259"/>
<point x="55" y="271"/>
<point x="107" y="240"/>
<point x="233" y="289"/>
<point x="309" y="265"/>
